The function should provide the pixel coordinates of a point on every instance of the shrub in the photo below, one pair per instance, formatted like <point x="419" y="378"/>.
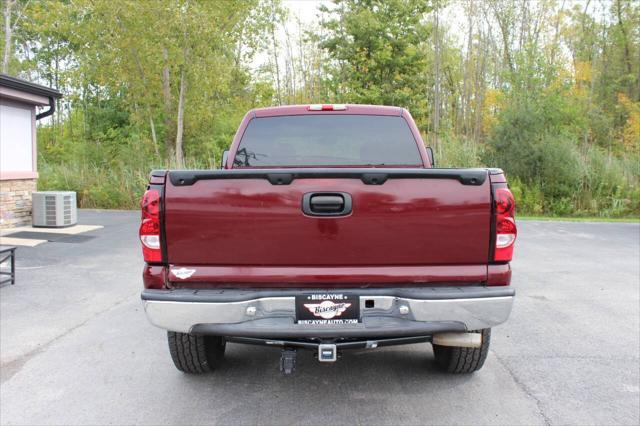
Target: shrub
<point x="459" y="152"/>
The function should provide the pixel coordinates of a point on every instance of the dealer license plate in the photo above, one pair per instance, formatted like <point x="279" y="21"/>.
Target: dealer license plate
<point x="327" y="308"/>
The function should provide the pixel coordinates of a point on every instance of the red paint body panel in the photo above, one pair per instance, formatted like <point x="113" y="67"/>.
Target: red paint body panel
<point x="250" y="222"/>
<point x="499" y="274"/>
<point x="313" y="276"/>
<point x="154" y="276"/>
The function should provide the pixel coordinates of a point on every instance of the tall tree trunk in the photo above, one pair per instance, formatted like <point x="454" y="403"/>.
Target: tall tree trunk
<point x="504" y="32"/>
<point x="275" y="60"/>
<point x="436" y="102"/>
<point x="556" y="32"/>
<point x="152" y="125"/>
<point x="302" y="59"/>
<point x="291" y="69"/>
<point x="625" y="42"/>
<point x="238" y="48"/>
<point x="166" y="96"/>
<point x="57" y="118"/>
<point x="180" y="126"/>
<point x="523" y="25"/>
<point x="480" y="84"/>
<point x="154" y="137"/>
<point x="466" y="66"/>
<point x="7" y="35"/>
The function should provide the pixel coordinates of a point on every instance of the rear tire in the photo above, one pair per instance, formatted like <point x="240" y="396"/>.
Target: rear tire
<point x="195" y="354"/>
<point x="463" y="360"/>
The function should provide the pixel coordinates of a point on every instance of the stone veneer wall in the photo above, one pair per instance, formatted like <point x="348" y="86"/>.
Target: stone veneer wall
<point x="15" y="202"/>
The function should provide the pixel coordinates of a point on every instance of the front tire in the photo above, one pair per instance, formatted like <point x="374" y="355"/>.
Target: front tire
<point x="195" y="354"/>
<point x="459" y="360"/>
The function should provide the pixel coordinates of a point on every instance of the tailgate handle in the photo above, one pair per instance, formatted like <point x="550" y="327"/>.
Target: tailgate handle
<point x="326" y="203"/>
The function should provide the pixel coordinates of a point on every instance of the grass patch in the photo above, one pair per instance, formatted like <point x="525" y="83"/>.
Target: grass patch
<point x="580" y="219"/>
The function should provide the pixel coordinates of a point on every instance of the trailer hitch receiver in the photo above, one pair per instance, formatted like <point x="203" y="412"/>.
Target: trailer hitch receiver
<point x="327" y="353"/>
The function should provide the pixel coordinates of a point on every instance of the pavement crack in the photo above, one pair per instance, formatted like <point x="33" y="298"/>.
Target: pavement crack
<point x="11" y="368"/>
<point x="524" y="388"/>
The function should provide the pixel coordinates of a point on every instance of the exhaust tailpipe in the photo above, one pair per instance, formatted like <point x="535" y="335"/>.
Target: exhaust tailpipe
<point x="464" y="340"/>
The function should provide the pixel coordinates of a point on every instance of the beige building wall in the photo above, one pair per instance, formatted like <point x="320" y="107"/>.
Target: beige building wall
<point x="18" y="148"/>
<point x="18" y="151"/>
<point x="15" y="202"/>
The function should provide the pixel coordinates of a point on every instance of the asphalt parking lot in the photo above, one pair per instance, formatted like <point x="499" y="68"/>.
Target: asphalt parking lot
<point x="75" y="347"/>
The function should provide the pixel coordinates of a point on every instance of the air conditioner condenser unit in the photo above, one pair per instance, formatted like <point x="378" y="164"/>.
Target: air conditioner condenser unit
<point x="54" y="209"/>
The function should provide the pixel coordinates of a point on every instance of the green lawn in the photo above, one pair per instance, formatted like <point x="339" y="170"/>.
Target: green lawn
<point x="580" y="219"/>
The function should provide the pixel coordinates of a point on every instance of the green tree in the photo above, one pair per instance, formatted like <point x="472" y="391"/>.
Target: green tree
<point x="376" y="49"/>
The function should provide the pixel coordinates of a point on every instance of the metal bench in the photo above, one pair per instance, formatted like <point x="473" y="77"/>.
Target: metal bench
<point x="8" y="253"/>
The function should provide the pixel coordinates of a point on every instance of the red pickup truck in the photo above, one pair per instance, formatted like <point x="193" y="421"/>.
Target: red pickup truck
<point x="327" y="228"/>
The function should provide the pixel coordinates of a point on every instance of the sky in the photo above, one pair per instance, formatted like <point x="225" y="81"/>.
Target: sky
<point x="305" y="9"/>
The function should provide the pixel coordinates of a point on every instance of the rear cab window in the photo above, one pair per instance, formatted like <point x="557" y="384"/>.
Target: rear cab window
<point x="327" y="140"/>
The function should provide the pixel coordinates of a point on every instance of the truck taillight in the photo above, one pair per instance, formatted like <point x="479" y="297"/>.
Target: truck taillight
<point x="150" y="226"/>
<point x="506" y="231"/>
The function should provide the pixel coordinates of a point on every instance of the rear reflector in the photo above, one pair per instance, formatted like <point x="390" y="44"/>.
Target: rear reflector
<point x="327" y="107"/>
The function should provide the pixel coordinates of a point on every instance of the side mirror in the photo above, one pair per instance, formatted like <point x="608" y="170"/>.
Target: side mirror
<point x="430" y="155"/>
<point x="225" y="156"/>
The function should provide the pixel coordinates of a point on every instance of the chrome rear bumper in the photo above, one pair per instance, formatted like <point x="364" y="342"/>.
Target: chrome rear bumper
<point x="271" y="313"/>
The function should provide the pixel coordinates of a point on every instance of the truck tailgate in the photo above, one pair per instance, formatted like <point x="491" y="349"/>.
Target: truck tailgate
<point x="414" y="228"/>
